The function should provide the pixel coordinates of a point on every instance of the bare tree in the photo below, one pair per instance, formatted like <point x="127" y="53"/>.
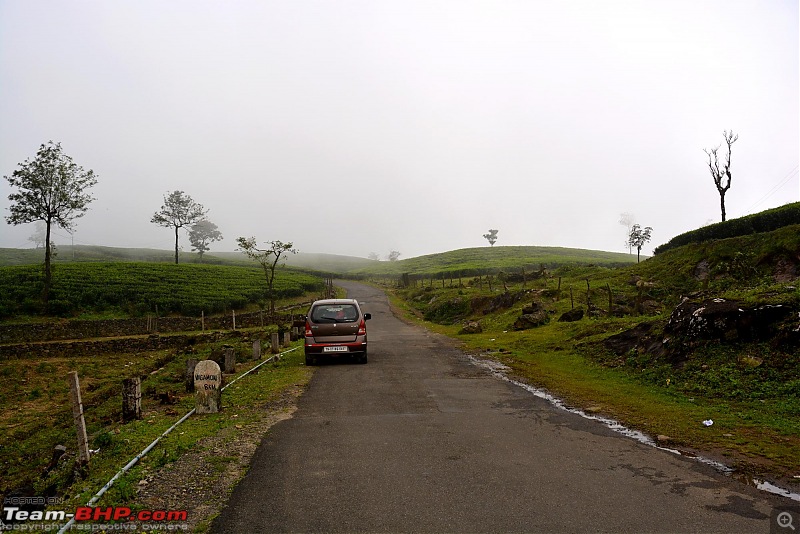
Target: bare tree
<point x="52" y="189"/>
<point x="178" y="211"/>
<point x="268" y="258"/>
<point x="721" y="172"/>
<point x="638" y="237"/>
<point x="393" y="255"/>
<point x="627" y="220"/>
<point x="374" y="256"/>
<point x="202" y="234"/>
<point x="491" y="237"/>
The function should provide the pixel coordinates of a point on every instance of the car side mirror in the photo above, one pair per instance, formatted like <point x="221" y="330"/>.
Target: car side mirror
<point x="367" y="316"/>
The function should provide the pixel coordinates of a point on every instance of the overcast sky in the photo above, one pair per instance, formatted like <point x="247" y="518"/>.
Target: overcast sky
<point x="352" y="127"/>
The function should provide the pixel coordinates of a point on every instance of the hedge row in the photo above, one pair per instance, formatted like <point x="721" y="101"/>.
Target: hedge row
<point x="766" y="221"/>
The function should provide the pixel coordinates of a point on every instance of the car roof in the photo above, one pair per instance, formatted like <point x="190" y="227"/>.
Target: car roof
<point x="334" y="301"/>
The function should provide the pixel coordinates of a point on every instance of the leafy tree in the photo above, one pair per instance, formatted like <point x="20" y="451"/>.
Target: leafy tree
<point x="178" y="211"/>
<point x="491" y="237"/>
<point x="373" y="256"/>
<point x="202" y="234"/>
<point x="393" y="255"/>
<point x="638" y="237"/>
<point x="720" y="173"/>
<point x="627" y="220"/>
<point x="50" y="188"/>
<point x="268" y="258"/>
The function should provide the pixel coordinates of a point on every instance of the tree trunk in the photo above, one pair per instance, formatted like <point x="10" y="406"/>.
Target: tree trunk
<point x="722" y="204"/>
<point x="176" y="245"/>
<point x="47" y="272"/>
<point x="271" y="297"/>
<point x="638" y="252"/>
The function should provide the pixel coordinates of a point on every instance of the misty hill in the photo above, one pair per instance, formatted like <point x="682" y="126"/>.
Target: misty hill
<point x="464" y="261"/>
<point x="470" y="261"/>
<point x="89" y="253"/>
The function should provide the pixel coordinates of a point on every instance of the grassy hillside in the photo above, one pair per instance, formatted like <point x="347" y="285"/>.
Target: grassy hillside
<point x="323" y="263"/>
<point x="473" y="261"/>
<point x="137" y="288"/>
<point x="91" y="253"/>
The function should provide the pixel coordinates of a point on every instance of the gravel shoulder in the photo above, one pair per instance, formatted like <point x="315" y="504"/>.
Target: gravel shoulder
<point x="201" y="480"/>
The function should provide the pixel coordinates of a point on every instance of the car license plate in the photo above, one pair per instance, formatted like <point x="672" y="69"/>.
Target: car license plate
<point x="338" y="348"/>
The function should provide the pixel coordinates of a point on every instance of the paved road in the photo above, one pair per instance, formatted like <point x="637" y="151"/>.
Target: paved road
<point x="420" y="440"/>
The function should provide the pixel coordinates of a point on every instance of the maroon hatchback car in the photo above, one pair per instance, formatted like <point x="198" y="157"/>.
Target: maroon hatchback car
<point x="336" y="327"/>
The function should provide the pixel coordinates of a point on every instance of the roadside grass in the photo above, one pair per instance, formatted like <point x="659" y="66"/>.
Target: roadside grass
<point x="756" y="414"/>
<point x="38" y="414"/>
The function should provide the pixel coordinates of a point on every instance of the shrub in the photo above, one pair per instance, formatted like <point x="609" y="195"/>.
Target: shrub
<point x="766" y="221"/>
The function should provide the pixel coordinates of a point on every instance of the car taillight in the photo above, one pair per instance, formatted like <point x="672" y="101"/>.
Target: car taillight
<point x="309" y="333"/>
<point x="362" y="328"/>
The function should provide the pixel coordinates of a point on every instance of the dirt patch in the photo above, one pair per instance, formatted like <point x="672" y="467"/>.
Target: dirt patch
<point x="201" y="480"/>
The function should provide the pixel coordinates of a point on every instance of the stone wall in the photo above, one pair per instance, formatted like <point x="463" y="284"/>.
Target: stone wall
<point x="124" y="345"/>
<point x="76" y="329"/>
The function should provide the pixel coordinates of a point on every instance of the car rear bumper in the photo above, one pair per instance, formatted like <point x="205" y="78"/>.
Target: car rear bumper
<point x="358" y="347"/>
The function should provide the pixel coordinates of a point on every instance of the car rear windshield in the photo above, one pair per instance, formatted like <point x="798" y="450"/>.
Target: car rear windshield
<point x="334" y="313"/>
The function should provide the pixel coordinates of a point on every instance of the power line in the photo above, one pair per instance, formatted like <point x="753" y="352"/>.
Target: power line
<point x="776" y="188"/>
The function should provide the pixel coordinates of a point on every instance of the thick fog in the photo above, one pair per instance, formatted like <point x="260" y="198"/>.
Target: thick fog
<point x="353" y="127"/>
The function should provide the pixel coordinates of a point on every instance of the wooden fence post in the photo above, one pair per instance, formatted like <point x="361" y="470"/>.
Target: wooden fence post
<point x="610" y="300"/>
<point x="131" y="399"/>
<point x="77" y="416"/>
<point x="257" y="349"/>
<point x="233" y="312"/>
<point x="230" y="361"/>
<point x="274" y="343"/>
<point x="588" y="296"/>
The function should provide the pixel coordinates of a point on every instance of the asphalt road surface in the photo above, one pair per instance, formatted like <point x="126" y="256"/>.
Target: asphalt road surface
<point x="421" y="440"/>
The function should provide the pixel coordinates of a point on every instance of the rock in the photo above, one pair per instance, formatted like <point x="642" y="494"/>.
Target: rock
<point x="571" y="316"/>
<point x="471" y="327"/>
<point x="662" y="439"/>
<point x="702" y="270"/>
<point x="503" y="301"/>
<point x="637" y="338"/>
<point x="750" y="361"/>
<point x="593" y="409"/>
<point x="533" y="307"/>
<point x="725" y="320"/>
<point x="594" y="311"/>
<point x="531" y="320"/>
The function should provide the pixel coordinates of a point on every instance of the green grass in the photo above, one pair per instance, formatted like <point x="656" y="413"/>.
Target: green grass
<point x="34" y="424"/>
<point x="138" y="288"/>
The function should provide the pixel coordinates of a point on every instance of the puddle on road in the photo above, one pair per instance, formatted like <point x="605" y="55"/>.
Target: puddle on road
<point x="499" y="370"/>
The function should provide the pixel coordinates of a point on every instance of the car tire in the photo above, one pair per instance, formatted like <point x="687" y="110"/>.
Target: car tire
<point x="362" y="359"/>
<point x="310" y="360"/>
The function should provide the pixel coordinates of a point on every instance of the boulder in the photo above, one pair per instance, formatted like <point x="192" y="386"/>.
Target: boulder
<point x="531" y="320"/>
<point x="639" y="338"/>
<point x="571" y="316"/>
<point x="533" y="307"/>
<point x="725" y="320"/>
<point x="471" y="327"/>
